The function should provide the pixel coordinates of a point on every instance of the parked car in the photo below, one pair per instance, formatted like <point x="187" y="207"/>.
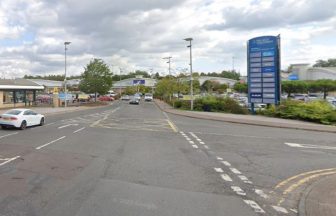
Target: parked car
<point x="301" y="97"/>
<point x="105" y="98"/>
<point x="125" y="97"/>
<point x="137" y="96"/>
<point x="314" y="96"/>
<point x="148" y="97"/>
<point x="21" y="118"/>
<point x="134" y="100"/>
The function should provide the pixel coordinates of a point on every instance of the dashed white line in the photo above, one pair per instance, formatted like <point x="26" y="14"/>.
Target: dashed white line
<point x="79" y="130"/>
<point x="205" y="146"/>
<point x="191" y="142"/>
<point x="219" y="158"/>
<point x="294" y="210"/>
<point x="254" y="205"/>
<point x="238" y="190"/>
<point x="202" y="143"/>
<point x="50" y="124"/>
<point x="226" y="163"/>
<point x="195" y="146"/>
<point x="226" y="177"/>
<point x="9" y="160"/>
<point x="64" y="126"/>
<point x="38" y="148"/>
<point x="261" y="193"/>
<point x="219" y="170"/>
<point x="235" y="171"/>
<point x="8" y="135"/>
<point x="244" y="179"/>
<point x="280" y="209"/>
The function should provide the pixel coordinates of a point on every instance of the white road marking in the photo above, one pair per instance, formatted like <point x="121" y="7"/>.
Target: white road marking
<point x="195" y="146"/>
<point x="244" y="179"/>
<point x="192" y="134"/>
<point x="261" y="193"/>
<point x="254" y="205"/>
<point x="219" y="158"/>
<point x="191" y="142"/>
<point x="205" y="146"/>
<point x="226" y="163"/>
<point x="50" y="124"/>
<point x="79" y="130"/>
<point x="280" y="209"/>
<point x="226" y="177"/>
<point x="42" y="146"/>
<point x="199" y="140"/>
<point x="9" y="160"/>
<point x="294" y="210"/>
<point x="202" y="143"/>
<point x="64" y="126"/>
<point x="188" y="138"/>
<point x="219" y="170"/>
<point x="235" y="171"/>
<point x="238" y="190"/>
<point x="8" y="135"/>
<point x="309" y="146"/>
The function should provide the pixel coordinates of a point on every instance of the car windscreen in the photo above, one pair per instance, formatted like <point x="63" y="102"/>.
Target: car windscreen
<point x="13" y="112"/>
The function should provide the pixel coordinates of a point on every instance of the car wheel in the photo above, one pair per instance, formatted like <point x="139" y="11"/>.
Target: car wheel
<point x="42" y="122"/>
<point x="23" y="125"/>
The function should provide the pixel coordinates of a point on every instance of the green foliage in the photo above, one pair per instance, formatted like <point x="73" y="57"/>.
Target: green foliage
<point x="166" y="87"/>
<point x="225" y="74"/>
<point x="218" y="104"/>
<point x="117" y="77"/>
<point x="324" y="85"/>
<point x="295" y="86"/>
<point x="323" y="63"/>
<point x="213" y="86"/>
<point x="315" y="111"/>
<point x="240" y="87"/>
<point x="130" y="90"/>
<point x="96" y="78"/>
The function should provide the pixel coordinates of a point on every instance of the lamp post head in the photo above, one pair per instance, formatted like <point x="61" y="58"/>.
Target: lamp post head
<point x="67" y="43"/>
<point x="188" y="39"/>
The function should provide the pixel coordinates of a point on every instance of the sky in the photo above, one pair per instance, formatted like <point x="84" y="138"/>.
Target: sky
<point x="134" y="35"/>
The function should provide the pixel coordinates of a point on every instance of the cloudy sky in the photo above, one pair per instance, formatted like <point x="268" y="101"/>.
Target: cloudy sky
<point x="137" y="34"/>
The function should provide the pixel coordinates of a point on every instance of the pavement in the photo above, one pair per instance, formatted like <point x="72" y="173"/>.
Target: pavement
<point x="248" y="119"/>
<point x="127" y="159"/>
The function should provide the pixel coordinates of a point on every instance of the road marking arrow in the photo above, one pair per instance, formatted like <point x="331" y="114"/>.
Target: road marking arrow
<point x="297" y="145"/>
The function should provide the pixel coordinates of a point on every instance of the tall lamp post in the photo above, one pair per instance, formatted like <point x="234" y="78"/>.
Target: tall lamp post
<point x="169" y="58"/>
<point x="191" y="78"/>
<point x="65" y="72"/>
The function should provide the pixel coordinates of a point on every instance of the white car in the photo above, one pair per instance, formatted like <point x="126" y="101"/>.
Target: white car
<point x="21" y="118"/>
<point x="148" y="97"/>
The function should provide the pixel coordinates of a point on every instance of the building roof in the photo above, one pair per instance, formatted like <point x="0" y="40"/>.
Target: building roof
<point x="48" y="83"/>
<point x="19" y="84"/>
<point x="132" y="82"/>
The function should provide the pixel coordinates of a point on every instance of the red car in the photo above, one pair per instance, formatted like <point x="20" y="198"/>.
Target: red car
<point x="106" y="98"/>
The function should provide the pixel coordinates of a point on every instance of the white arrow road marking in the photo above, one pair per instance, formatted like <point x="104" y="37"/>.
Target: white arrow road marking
<point x="297" y="145"/>
<point x="64" y="126"/>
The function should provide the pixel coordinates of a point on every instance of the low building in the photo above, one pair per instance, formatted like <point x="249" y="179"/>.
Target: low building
<point x="220" y="80"/>
<point x="50" y="86"/>
<point x="120" y="86"/>
<point x="305" y="72"/>
<point x="18" y="92"/>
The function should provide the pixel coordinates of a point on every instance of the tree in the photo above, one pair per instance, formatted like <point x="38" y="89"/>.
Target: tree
<point x="96" y="78"/>
<point x="166" y="87"/>
<point x="130" y="90"/>
<point x="323" y="63"/>
<point x="240" y="87"/>
<point x="295" y="86"/>
<point x="324" y="85"/>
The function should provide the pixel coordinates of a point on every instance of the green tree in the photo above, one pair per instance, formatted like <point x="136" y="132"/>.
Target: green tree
<point x="327" y="63"/>
<point x="325" y="86"/>
<point x="240" y="87"/>
<point x="166" y="87"/>
<point x="295" y="86"/>
<point x="130" y="90"/>
<point x="96" y="78"/>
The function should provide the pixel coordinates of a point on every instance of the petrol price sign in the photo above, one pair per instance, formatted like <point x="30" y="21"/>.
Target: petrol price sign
<point x="263" y="58"/>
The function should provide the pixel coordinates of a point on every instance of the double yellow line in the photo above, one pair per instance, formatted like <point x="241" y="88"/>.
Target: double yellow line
<point x="292" y="183"/>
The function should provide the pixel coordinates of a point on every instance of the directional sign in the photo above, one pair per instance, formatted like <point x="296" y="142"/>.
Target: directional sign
<point x="264" y="69"/>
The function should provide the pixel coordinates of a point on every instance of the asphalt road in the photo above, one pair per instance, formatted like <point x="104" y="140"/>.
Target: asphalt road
<point x="135" y="160"/>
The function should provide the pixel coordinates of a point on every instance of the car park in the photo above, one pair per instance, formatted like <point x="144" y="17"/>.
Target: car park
<point x="21" y="118"/>
<point x="148" y="97"/>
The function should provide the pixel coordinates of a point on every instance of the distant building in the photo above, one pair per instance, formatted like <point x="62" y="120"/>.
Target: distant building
<point x="52" y="85"/>
<point x="305" y="72"/>
<point x="138" y="80"/>
<point x="220" y="80"/>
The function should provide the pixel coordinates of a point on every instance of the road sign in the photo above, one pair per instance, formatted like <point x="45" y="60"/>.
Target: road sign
<point x="61" y="96"/>
<point x="263" y="57"/>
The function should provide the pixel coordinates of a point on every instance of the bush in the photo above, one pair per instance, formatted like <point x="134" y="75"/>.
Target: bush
<point x="217" y="104"/>
<point x="315" y="111"/>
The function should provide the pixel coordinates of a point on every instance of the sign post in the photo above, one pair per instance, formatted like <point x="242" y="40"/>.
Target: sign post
<point x="263" y="66"/>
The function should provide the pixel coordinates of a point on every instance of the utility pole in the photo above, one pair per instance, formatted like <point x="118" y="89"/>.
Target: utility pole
<point x="65" y="73"/>
<point x="191" y="76"/>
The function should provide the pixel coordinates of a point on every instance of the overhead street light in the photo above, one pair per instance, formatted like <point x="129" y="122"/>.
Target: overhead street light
<point x="191" y="78"/>
<point x="169" y="60"/>
<point x="65" y="72"/>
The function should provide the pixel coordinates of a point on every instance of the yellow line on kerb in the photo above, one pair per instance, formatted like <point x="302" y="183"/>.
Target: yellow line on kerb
<point x="302" y="174"/>
<point x="171" y="124"/>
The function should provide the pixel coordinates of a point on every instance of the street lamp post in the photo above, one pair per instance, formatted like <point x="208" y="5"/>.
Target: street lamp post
<point x="120" y="69"/>
<point x="65" y="73"/>
<point x="191" y="77"/>
<point x="169" y="60"/>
